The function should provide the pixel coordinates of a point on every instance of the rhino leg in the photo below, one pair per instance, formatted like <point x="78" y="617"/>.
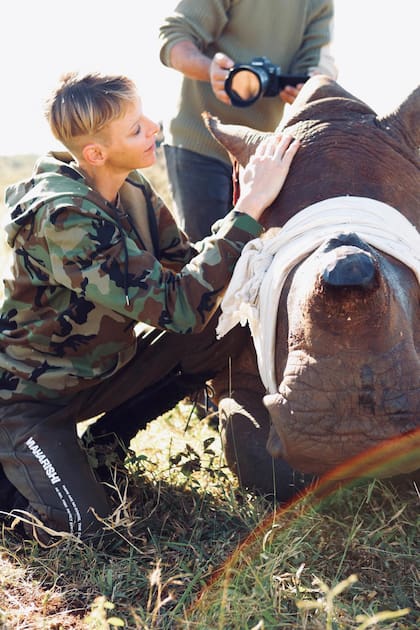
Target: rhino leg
<point x="244" y="442"/>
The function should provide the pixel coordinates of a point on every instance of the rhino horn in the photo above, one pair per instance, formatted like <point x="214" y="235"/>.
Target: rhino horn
<point x="239" y="141"/>
<point x="405" y="120"/>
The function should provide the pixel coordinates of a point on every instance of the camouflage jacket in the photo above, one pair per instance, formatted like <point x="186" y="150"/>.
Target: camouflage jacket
<point x="84" y="272"/>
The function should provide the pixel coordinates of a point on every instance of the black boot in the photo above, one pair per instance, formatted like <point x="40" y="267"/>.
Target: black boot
<point x="10" y="499"/>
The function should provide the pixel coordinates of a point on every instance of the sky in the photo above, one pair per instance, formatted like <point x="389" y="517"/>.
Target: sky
<point x="377" y="49"/>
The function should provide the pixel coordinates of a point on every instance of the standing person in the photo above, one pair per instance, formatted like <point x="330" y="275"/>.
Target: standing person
<point x="94" y="252"/>
<point x="202" y="39"/>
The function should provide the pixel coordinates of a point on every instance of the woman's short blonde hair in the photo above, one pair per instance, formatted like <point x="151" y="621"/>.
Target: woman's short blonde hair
<point x="82" y="105"/>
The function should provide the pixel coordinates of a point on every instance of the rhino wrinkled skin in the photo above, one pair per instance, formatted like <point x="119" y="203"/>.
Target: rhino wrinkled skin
<point x="347" y="349"/>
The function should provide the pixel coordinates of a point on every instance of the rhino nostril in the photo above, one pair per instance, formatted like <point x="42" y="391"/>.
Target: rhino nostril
<point x="351" y="267"/>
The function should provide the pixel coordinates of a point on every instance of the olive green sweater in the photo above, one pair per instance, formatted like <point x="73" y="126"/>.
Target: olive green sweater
<point x="294" y="34"/>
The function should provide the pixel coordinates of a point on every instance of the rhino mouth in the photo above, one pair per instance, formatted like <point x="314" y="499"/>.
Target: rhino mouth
<point x="317" y="428"/>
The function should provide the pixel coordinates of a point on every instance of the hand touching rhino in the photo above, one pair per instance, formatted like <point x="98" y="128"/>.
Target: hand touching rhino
<point x="264" y="176"/>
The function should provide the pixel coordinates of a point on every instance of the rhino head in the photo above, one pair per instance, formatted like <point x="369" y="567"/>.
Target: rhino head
<point x="345" y="327"/>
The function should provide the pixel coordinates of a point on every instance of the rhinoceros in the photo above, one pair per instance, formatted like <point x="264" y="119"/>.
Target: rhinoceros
<point x="331" y="295"/>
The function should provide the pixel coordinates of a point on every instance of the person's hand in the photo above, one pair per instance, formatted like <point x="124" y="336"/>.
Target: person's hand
<point x="264" y="175"/>
<point x="219" y="70"/>
<point x="289" y="93"/>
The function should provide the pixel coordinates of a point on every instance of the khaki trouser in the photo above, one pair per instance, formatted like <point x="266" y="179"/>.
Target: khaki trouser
<point x="41" y="453"/>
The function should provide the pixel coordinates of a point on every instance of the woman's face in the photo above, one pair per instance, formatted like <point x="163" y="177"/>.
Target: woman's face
<point x="131" y="139"/>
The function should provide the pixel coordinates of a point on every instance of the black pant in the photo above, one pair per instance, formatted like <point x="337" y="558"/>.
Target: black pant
<point x="201" y="187"/>
<point x="41" y="453"/>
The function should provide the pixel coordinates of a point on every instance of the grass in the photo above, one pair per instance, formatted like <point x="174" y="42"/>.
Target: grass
<point x="191" y="550"/>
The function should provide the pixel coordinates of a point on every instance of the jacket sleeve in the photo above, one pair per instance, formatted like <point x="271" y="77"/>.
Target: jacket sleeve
<point x="315" y="52"/>
<point x="93" y="256"/>
<point x="199" y="21"/>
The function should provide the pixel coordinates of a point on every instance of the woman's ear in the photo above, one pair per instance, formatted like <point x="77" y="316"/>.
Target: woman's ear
<point x="94" y="154"/>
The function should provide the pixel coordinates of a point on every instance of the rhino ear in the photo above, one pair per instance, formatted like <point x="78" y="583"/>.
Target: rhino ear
<point x="239" y="141"/>
<point x="405" y="120"/>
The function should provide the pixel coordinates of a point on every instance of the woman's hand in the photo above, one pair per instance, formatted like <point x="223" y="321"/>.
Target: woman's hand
<point x="264" y="175"/>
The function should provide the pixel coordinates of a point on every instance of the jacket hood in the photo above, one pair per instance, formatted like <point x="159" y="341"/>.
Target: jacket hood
<point x="55" y="178"/>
